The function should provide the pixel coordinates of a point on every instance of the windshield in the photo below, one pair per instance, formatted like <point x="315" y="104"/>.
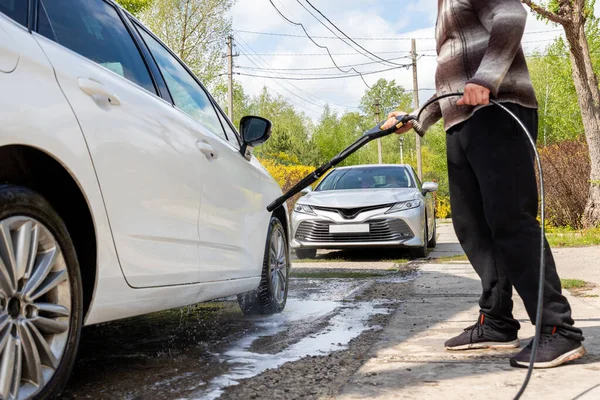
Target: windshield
<point x="366" y="178"/>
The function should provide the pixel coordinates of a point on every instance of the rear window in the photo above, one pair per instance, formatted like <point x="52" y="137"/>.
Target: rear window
<point x="367" y="178"/>
<point x="15" y="9"/>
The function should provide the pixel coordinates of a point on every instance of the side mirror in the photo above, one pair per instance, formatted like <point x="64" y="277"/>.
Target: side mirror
<point x="306" y="190"/>
<point x="254" y="131"/>
<point x="429" y="187"/>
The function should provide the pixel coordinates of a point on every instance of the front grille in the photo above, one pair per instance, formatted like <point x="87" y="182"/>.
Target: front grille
<point x="351" y="213"/>
<point x="380" y="230"/>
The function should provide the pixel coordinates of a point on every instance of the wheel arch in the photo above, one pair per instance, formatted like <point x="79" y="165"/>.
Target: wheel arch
<point x="35" y="169"/>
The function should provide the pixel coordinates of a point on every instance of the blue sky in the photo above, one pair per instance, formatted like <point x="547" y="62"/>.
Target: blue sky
<point x="374" y="19"/>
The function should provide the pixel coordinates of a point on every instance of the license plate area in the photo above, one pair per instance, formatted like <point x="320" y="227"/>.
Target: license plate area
<point x="349" y="228"/>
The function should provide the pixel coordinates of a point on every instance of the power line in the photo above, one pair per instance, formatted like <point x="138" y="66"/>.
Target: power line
<point x="263" y="62"/>
<point x="368" y="54"/>
<point x="320" y="77"/>
<point x="321" y="54"/>
<point x="369" y="38"/>
<point x="340" y="31"/>
<point x="283" y="87"/>
<point x="317" y="44"/>
<point x="320" y="68"/>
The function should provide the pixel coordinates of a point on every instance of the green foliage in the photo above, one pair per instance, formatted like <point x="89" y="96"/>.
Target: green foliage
<point x="196" y="30"/>
<point x="568" y="237"/>
<point x="389" y="95"/>
<point x="551" y="74"/>
<point x="135" y="6"/>
<point x="291" y="129"/>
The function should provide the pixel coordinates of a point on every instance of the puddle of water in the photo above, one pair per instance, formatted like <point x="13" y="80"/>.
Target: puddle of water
<point x="332" y="289"/>
<point x="348" y="323"/>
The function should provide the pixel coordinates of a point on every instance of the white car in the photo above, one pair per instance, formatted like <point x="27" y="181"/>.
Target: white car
<point x="366" y="206"/>
<point x="124" y="189"/>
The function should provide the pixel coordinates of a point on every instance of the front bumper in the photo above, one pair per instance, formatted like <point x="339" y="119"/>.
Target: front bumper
<point x="401" y="229"/>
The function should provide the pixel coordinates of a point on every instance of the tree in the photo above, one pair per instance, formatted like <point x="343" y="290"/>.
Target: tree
<point x="560" y="116"/>
<point x="135" y="6"/>
<point x="389" y="95"/>
<point x="572" y="16"/>
<point x="196" y="30"/>
<point x="290" y="132"/>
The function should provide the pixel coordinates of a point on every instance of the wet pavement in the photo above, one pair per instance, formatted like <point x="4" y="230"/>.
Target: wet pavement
<point x="210" y="350"/>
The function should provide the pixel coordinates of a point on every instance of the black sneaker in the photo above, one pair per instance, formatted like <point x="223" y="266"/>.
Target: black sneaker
<point x="482" y="336"/>
<point x="554" y="349"/>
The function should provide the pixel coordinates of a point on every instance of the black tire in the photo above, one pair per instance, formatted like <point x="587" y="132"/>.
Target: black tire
<point x="433" y="241"/>
<point x="265" y="300"/>
<point x="304" y="254"/>
<point x="19" y="201"/>
<point x="421" y="251"/>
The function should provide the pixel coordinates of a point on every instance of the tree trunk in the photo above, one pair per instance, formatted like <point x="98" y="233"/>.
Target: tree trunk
<point x="588" y="95"/>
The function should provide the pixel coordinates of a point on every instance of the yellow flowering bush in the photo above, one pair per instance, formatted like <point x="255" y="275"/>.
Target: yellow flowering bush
<point x="442" y="207"/>
<point x="287" y="175"/>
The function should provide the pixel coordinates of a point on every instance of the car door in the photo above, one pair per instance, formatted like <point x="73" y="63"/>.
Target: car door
<point x="232" y="219"/>
<point x="233" y="215"/>
<point x="148" y="168"/>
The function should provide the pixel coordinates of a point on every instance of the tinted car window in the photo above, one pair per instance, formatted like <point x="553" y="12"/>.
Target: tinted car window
<point x="94" y="29"/>
<point x="367" y="178"/>
<point x="187" y="94"/>
<point x="15" y="9"/>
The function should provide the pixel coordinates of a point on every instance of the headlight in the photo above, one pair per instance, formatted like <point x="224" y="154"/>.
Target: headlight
<point x="304" y="209"/>
<point x="405" y="205"/>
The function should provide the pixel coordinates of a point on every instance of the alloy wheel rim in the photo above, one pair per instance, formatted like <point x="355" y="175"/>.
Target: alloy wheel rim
<point x="35" y="307"/>
<point x="278" y="260"/>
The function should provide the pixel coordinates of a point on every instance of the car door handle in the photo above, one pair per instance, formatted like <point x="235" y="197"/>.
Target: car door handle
<point x="207" y="149"/>
<point x="94" y="88"/>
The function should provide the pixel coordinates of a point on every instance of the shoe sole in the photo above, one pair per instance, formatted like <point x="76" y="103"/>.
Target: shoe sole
<point x="486" y="345"/>
<point x="570" y="356"/>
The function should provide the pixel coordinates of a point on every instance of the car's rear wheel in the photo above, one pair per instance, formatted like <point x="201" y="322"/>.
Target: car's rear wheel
<point x="303" y="254"/>
<point x="421" y="251"/>
<point x="40" y="297"/>
<point x="271" y="295"/>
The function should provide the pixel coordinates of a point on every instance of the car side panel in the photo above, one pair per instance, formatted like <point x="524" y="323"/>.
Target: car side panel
<point x="35" y="113"/>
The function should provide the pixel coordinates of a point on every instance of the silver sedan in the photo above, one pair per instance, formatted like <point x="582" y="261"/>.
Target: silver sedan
<point x="366" y="206"/>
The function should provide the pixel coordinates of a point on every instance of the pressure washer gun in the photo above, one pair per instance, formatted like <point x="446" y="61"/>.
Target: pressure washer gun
<point x="375" y="133"/>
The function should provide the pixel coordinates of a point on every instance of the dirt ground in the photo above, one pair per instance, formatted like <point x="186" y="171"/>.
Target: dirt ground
<point x="211" y="350"/>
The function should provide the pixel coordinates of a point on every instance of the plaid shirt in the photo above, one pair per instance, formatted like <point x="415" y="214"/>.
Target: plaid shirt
<point x="478" y="41"/>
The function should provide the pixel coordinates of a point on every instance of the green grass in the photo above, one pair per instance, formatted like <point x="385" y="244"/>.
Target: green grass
<point x="335" y="274"/>
<point x="320" y="260"/>
<point x="442" y="260"/>
<point x="573" y="283"/>
<point x="568" y="237"/>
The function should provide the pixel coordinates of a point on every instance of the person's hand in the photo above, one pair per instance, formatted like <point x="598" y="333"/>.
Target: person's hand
<point x="474" y="95"/>
<point x="393" y="121"/>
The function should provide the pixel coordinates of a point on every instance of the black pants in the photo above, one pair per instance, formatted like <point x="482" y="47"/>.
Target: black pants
<point x="494" y="199"/>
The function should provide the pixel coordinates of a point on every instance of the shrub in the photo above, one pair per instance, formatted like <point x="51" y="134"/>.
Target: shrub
<point x="442" y="207"/>
<point x="286" y="175"/>
<point x="566" y="182"/>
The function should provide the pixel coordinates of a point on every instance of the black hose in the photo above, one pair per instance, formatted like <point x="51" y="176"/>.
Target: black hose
<point x="542" y="277"/>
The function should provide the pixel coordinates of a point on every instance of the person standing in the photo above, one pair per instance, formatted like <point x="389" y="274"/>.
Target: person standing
<point x="493" y="190"/>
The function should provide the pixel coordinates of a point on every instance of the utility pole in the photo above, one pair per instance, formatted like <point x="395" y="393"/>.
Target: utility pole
<point x="230" y="78"/>
<point x="416" y="105"/>
<point x="377" y="121"/>
<point x="401" y="138"/>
